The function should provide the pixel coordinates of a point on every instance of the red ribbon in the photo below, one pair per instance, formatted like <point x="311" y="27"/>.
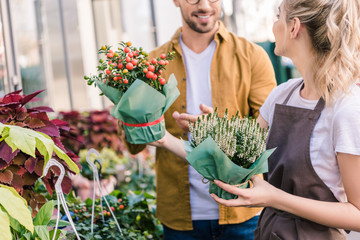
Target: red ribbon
<point x="144" y="124"/>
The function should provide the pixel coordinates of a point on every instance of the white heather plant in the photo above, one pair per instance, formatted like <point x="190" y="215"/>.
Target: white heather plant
<point x="241" y="139"/>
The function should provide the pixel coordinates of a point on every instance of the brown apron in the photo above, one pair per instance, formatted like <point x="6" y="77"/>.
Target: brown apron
<point x="291" y="170"/>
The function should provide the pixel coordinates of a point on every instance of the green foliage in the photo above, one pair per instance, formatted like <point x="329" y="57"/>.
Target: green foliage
<point x="134" y="211"/>
<point x="41" y="223"/>
<point x="28" y="140"/>
<point x="13" y="206"/>
<point x="109" y="161"/>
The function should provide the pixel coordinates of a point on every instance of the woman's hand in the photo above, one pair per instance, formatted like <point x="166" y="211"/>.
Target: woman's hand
<point x="261" y="194"/>
<point x="172" y="144"/>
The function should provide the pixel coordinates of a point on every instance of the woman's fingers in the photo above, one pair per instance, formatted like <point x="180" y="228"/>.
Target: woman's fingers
<point x="229" y="188"/>
<point x="228" y="203"/>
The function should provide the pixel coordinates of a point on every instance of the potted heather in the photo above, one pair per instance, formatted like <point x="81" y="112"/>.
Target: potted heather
<point x="135" y="86"/>
<point x="228" y="150"/>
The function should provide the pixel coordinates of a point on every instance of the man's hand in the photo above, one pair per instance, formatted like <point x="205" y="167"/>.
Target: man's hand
<point x="182" y="119"/>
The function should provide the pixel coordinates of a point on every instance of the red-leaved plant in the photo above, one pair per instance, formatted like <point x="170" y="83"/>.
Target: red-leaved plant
<point x="19" y="169"/>
<point x="94" y="129"/>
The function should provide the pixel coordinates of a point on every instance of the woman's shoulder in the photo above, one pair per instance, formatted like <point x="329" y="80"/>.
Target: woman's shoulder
<point x="348" y="104"/>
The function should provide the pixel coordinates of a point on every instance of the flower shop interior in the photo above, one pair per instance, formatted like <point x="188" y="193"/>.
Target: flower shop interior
<point x="46" y="48"/>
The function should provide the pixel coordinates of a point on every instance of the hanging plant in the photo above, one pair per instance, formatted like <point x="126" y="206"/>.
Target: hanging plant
<point x="28" y="140"/>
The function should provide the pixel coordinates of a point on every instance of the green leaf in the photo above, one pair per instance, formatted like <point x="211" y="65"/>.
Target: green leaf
<point x="14" y="192"/>
<point x="51" y="233"/>
<point x="66" y="158"/>
<point x="24" y="142"/>
<point x="5" y="233"/>
<point x="44" y="215"/>
<point x="14" y="224"/>
<point x="26" y="236"/>
<point x="62" y="223"/>
<point x="16" y="208"/>
<point x="42" y="232"/>
<point x="27" y="139"/>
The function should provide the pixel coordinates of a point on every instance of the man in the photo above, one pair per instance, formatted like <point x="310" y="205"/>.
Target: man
<point x="214" y="68"/>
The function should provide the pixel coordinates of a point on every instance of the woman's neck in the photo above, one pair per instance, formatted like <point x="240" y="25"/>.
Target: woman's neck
<point x="305" y="62"/>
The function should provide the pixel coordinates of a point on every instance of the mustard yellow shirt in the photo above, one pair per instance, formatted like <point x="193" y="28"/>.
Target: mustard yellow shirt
<point x="241" y="78"/>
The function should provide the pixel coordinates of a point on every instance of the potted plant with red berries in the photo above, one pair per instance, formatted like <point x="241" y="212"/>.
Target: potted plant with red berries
<point x="135" y="86"/>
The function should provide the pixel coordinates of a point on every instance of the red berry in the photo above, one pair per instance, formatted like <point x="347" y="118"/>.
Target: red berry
<point x="120" y="65"/>
<point x="75" y="211"/>
<point x="153" y="61"/>
<point x="149" y="74"/>
<point x="134" y="62"/>
<point x="145" y="70"/>
<point x="119" y="200"/>
<point x="162" y="81"/>
<point x="151" y="68"/>
<point x="115" y="79"/>
<point x="163" y="56"/>
<point x="112" y="209"/>
<point x="166" y="62"/>
<point x="126" y="81"/>
<point x="107" y="71"/>
<point x="127" y="59"/>
<point x="121" y="206"/>
<point x="160" y="71"/>
<point x="110" y="55"/>
<point x="154" y="77"/>
<point x="111" y="51"/>
<point x="130" y="55"/>
<point x="147" y="64"/>
<point x="129" y="66"/>
<point x="126" y="50"/>
<point x="162" y="62"/>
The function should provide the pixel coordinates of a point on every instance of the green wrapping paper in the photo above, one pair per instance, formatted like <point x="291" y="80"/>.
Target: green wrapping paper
<point x="142" y="106"/>
<point x="212" y="163"/>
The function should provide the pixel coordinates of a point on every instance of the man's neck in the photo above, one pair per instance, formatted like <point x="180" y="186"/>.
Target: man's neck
<point x="197" y="42"/>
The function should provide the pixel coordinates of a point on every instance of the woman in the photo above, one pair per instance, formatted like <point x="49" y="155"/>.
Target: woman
<point x="312" y="190"/>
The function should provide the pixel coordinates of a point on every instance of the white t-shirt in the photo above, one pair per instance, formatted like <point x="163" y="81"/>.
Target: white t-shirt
<point x="337" y="130"/>
<point x="198" y="90"/>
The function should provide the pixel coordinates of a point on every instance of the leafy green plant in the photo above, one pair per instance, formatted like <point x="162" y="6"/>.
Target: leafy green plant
<point x="13" y="208"/>
<point x="28" y="140"/>
<point x="134" y="211"/>
<point x="41" y="224"/>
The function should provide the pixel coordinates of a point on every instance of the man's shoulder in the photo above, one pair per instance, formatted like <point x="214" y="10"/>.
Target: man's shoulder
<point x="242" y="44"/>
<point x="164" y="47"/>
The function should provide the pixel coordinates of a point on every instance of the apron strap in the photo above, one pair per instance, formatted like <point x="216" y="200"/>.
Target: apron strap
<point x="292" y="91"/>
<point x="319" y="106"/>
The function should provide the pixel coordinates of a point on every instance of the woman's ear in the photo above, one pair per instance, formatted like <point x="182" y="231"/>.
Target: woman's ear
<point x="295" y="27"/>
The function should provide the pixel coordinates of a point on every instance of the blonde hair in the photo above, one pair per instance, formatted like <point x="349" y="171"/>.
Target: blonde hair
<point x="334" y="29"/>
